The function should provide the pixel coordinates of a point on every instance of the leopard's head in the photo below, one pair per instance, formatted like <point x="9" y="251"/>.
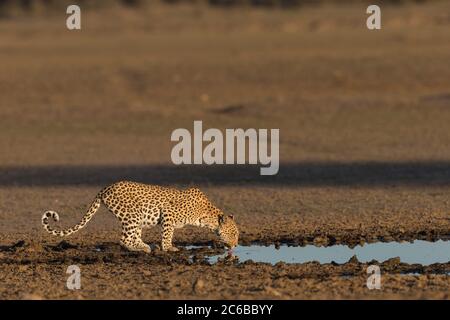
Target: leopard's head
<point x="228" y="231"/>
<point x="210" y="216"/>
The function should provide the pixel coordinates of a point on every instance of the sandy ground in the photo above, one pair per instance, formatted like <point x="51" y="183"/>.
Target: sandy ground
<point x="363" y="119"/>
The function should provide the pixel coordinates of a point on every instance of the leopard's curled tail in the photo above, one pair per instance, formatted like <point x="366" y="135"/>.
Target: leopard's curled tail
<point x="66" y="232"/>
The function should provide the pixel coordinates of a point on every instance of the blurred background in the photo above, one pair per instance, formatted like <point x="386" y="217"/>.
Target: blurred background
<point x="364" y="138"/>
<point x="363" y="115"/>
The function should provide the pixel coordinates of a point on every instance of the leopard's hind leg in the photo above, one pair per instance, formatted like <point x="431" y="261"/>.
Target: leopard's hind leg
<point x="131" y="228"/>
<point x="132" y="232"/>
<point x="131" y="238"/>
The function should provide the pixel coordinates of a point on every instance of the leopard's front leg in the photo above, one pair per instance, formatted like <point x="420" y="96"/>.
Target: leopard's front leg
<point x="167" y="223"/>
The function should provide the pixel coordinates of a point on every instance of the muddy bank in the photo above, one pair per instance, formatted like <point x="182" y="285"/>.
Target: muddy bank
<point x="29" y="270"/>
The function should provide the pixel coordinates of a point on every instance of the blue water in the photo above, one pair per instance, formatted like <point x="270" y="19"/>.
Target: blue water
<point x="417" y="252"/>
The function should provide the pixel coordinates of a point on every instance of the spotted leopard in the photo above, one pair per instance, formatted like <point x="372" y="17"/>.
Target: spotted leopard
<point x="139" y="206"/>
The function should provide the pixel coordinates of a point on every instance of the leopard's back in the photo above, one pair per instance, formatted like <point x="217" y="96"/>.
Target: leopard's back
<point x="128" y="200"/>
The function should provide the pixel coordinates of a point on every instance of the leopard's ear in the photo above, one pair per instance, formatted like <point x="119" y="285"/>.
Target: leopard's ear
<point x="231" y="216"/>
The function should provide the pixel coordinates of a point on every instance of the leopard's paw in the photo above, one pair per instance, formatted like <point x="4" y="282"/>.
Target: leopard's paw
<point x="147" y="249"/>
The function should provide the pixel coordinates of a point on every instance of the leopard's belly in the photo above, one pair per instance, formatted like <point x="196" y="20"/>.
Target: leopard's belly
<point x="151" y="217"/>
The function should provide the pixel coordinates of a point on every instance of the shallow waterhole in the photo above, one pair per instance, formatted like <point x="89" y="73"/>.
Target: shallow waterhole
<point x="416" y="252"/>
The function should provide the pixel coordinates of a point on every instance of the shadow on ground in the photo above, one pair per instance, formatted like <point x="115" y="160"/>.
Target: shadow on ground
<point x="290" y="174"/>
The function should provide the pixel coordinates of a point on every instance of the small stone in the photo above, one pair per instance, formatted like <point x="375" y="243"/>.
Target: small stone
<point x="320" y="240"/>
<point x="393" y="261"/>
<point x="23" y="268"/>
<point x="147" y="273"/>
<point x="272" y="291"/>
<point x="353" y="259"/>
<point x="198" y="285"/>
<point x="31" y="296"/>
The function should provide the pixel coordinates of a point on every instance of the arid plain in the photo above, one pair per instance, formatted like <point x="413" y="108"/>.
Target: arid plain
<point x="364" y="143"/>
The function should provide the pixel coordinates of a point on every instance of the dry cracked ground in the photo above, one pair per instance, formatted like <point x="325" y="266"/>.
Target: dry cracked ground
<point x="364" y="144"/>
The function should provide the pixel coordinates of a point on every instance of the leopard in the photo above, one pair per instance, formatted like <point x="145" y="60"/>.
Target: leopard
<point x="138" y="206"/>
